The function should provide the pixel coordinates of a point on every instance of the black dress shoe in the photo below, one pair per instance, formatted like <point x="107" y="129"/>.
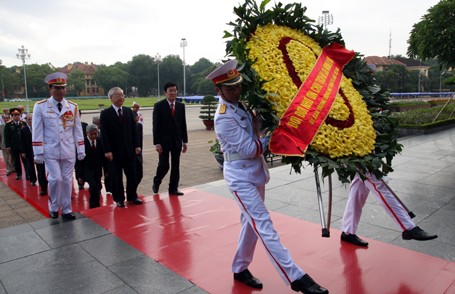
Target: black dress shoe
<point x="53" y="214"/>
<point x="353" y="239"/>
<point x="43" y="192"/>
<point x="247" y="278"/>
<point x="33" y="183"/>
<point x="8" y="173"/>
<point x="176" y="193"/>
<point x="417" y="234"/>
<point x="136" y="201"/>
<point x="68" y="216"/>
<point x="121" y="204"/>
<point x="308" y="286"/>
<point x="18" y="178"/>
<point x="155" y="188"/>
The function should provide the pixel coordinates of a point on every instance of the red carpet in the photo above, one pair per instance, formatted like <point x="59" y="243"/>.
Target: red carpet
<point x="80" y="199"/>
<point x="196" y="235"/>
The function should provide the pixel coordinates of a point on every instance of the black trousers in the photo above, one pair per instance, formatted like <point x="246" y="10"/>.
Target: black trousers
<point x="119" y="166"/>
<point x="163" y="167"/>
<point x="107" y="178"/>
<point x="94" y="182"/>
<point x="42" y="179"/>
<point x="30" y="169"/>
<point x="139" y="169"/>
<point x="16" y="158"/>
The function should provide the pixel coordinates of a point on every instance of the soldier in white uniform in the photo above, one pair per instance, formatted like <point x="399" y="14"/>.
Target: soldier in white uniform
<point x="358" y="194"/>
<point x="246" y="174"/>
<point x="57" y="136"/>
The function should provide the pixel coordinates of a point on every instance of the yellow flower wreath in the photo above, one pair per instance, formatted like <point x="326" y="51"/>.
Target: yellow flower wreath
<point x="336" y="136"/>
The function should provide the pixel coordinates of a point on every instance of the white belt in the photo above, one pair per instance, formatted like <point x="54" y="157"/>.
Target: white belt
<point x="228" y="157"/>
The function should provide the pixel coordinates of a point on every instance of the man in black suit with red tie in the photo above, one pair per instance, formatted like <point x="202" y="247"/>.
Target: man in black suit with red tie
<point x="121" y="144"/>
<point x="169" y="137"/>
<point x="93" y="163"/>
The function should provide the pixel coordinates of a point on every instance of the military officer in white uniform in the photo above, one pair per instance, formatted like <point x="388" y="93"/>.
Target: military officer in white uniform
<point x="57" y="136"/>
<point x="246" y="174"/>
<point x="358" y="194"/>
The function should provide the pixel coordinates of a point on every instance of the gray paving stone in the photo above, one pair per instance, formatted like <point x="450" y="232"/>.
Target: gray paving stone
<point x="109" y="250"/>
<point x="124" y="289"/>
<point x="21" y="244"/>
<point x="16" y="230"/>
<point x="60" y="270"/>
<point x="147" y="276"/>
<point x="71" y="232"/>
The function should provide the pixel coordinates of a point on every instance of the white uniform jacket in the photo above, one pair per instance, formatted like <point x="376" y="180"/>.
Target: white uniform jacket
<point x="240" y="145"/>
<point x="56" y="134"/>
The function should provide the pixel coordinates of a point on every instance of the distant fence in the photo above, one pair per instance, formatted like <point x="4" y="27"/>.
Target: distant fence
<point x="421" y="95"/>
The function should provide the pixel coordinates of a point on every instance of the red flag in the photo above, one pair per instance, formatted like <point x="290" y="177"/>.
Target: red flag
<point x="309" y="108"/>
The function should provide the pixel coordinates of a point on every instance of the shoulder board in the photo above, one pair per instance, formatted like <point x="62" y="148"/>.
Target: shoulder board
<point x="71" y="102"/>
<point x="222" y="109"/>
<point x="41" y="101"/>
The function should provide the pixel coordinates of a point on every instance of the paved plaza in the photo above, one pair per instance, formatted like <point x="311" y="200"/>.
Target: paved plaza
<point x="33" y="247"/>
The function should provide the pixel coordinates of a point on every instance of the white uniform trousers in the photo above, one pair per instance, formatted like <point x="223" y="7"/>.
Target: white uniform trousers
<point x="60" y="183"/>
<point x="256" y="223"/>
<point x="358" y="195"/>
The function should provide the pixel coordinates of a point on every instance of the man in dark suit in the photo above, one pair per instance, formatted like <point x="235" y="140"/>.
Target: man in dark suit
<point x="93" y="163"/>
<point x="169" y="137"/>
<point x="12" y="140"/>
<point x="28" y="155"/>
<point x="121" y="144"/>
<point x="78" y="166"/>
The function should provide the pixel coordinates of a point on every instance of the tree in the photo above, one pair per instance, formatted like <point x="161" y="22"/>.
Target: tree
<point x="76" y="80"/>
<point x="198" y="72"/>
<point x="171" y="70"/>
<point x="111" y="76"/>
<point x="141" y="74"/>
<point x="434" y="35"/>
<point x="36" y="86"/>
<point x="393" y="79"/>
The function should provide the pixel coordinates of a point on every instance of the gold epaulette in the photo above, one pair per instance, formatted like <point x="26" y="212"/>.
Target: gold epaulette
<point x="222" y="109"/>
<point x="41" y="101"/>
<point x="69" y="101"/>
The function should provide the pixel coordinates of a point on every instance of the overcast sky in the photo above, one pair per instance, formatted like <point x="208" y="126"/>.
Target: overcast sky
<point x="107" y="31"/>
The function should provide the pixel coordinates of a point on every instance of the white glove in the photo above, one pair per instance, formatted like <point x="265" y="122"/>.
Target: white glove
<point x="265" y="142"/>
<point x="39" y="158"/>
<point x="80" y="156"/>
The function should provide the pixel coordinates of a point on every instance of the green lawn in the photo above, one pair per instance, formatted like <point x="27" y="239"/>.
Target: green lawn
<point x="89" y="104"/>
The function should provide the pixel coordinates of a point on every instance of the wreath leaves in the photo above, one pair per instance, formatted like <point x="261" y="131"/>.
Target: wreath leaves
<point x="249" y="17"/>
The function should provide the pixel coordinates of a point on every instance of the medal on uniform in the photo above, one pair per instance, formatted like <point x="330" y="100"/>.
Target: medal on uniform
<point x="67" y="116"/>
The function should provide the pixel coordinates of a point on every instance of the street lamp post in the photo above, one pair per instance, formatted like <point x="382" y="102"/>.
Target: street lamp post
<point x="23" y="55"/>
<point x="325" y="19"/>
<point x="1" y="77"/>
<point x="183" y="44"/>
<point x="158" y="60"/>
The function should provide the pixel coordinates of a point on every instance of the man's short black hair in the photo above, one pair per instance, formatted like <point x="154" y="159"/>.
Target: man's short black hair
<point x="169" y="85"/>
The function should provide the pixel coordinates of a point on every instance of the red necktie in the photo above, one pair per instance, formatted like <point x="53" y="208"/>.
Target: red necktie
<point x="172" y="109"/>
